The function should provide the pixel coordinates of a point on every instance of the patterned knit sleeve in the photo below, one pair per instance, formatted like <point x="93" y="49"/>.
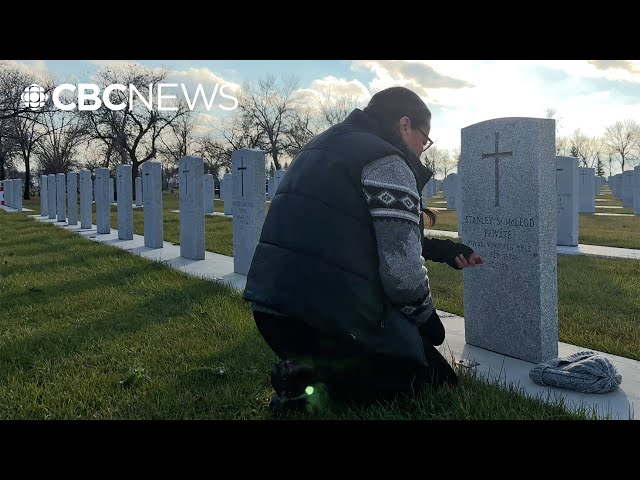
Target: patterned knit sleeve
<point x="389" y="187"/>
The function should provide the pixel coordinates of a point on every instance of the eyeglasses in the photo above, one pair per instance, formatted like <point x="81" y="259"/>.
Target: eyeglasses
<point x="429" y="141"/>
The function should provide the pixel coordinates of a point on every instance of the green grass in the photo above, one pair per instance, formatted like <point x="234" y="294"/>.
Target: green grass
<point x="170" y="341"/>
<point x="599" y="209"/>
<point x="598" y="301"/>
<point x="618" y="211"/>
<point x="598" y="296"/>
<point x="610" y="201"/>
<point x="89" y="331"/>
<point x="218" y="230"/>
<point x="473" y="400"/>
<point x="622" y="232"/>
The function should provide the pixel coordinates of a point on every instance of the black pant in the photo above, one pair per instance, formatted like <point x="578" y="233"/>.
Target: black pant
<point x="349" y="374"/>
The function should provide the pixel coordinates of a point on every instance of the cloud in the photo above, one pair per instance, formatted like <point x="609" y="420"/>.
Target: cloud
<point x="627" y="91"/>
<point x="627" y="70"/>
<point x="417" y="75"/>
<point x="339" y="87"/>
<point x="331" y="90"/>
<point x="203" y="124"/>
<point x="627" y="65"/>
<point x="204" y="76"/>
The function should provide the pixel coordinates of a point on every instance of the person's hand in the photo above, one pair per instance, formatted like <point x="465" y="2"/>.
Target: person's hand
<point x="455" y="254"/>
<point x="474" y="259"/>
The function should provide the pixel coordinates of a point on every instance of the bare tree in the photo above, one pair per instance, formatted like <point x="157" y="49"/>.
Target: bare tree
<point x="8" y="148"/>
<point x="235" y="132"/>
<point x="13" y="83"/>
<point x="551" y="113"/>
<point x="96" y="153"/>
<point x="300" y="131"/>
<point x="636" y="150"/>
<point x="94" y="158"/>
<point x="563" y="144"/>
<point x="239" y="131"/>
<point x="334" y="110"/>
<point x="10" y="82"/>
<point x="99" y="153"/>
<point x="579" y="145"/>
<point x="57" y="148"/>
<point x="178" y="140"/>
<point x="622" y="138"/>
<point x="215" y="154"/>
<point x="269" y="107"/>
<point x="132" y="133"/>
<point x="441" y="161"/>
<point x="611" y="156"/>
<point x="23" y="127"/>
<point x="27" y="131"/>
<point x="590" y="151"/>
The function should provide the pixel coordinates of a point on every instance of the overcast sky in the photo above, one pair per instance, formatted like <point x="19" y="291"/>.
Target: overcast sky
<point x="586" y="94"/>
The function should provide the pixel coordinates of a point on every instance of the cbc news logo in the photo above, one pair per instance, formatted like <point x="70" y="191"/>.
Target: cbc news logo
<point x="90" y="97"/>
<point x="34" y="97"/>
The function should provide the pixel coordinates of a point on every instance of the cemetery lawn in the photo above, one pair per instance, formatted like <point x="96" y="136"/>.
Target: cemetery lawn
<point x="613" y="210"/>
<point x="598" y="301"/>
<point x="89" y="331"/>
<point x="622" y="232"/>
<point x="598" y="297"/>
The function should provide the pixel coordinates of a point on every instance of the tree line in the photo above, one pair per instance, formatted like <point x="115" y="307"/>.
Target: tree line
<point x="272" y="114"/>
<point x="619" y="144"/>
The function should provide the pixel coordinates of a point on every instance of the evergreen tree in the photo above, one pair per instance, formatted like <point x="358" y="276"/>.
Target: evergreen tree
<point x="574" y="151"/>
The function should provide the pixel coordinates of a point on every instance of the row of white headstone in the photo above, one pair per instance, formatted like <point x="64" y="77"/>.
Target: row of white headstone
<point x="112" y="190"/>
<point x="574" y="196"/>
<point x="576" y="190"/>
<point x="71" y="184"/>
<point x="59" y="201"/>
<point x="586" y="195"/>
<point x="12" y="194"/>
<point x="430" y="190"/>
<point x="626" y="188"/>
<point x="59" y="197"/>
<point x="450" y="188"/>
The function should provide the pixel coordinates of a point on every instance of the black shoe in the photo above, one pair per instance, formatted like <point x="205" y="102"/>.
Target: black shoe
<point x="290" y="379"/>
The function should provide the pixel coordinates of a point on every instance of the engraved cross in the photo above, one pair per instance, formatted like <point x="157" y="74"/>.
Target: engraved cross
<point x="497" y="154"/>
